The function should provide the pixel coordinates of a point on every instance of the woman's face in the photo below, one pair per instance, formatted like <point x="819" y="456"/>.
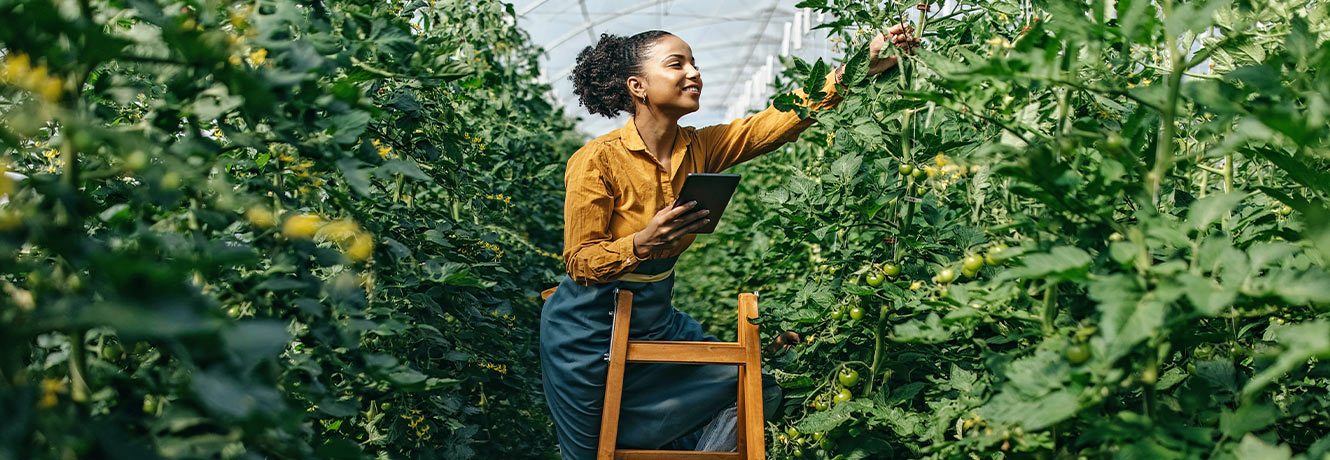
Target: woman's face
<point x="670" y="79"/>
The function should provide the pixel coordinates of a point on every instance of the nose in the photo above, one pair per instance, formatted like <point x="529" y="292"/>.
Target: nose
<point x="693" y="73"/>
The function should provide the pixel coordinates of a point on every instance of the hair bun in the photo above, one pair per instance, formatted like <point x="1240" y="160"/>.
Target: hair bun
<point x="602" y="69"/>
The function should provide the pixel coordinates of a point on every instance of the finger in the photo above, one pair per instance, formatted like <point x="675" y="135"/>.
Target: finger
<point x="678" y="210"/>
<point x="896" y="29"/>
<point x="690" y="228"/>
<point x="688" y="218"/>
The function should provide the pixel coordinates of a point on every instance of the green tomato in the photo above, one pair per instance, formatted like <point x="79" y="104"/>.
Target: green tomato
<point x="1078" y="353"/>
<point x="945" y="276"/>
<point x="874" y="278"/>
<point x="1284" y="210"/>
<point x="905" y="168"/>
<point x="821" y="403"/>
<point x="149" y="405"/>
<point x="969" y="273"/>
<point x="972" y="263"/>
<point x="994" y="255"/>
<point x="837" y="313"/>
<point x="1114" y="142"/>
<point x="793" y="432"/>
<point x="848" y="377"/>
<point x="826" y="443"/>
<point x="856" y="313"/>
<point x="112" y="351"/>
<point x="797" y="452"/>
<point x="817" y="435"/>
<point x="917" y="173"/>
<point x="891" y="269"/>
<point x="843" y="395"/>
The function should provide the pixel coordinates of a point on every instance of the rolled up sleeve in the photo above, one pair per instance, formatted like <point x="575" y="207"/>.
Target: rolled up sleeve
<point x="591" y="253"/>
<point x="747" y="138"/>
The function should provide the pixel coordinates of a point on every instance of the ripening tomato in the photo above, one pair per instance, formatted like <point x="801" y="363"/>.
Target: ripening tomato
<point x="848" y="377"/>
<point x="945" y="276"/>
<point x="1078" y="353"/>
<point x="856" y="313"/>
<point x="972" y="263"/>
<point x="874" y="278"/>
<point x="891" y="269"/>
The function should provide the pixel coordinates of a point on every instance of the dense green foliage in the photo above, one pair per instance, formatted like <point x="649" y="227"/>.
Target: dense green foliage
<point x="1110" y="224"/>
<point x="282" y="229"/>
<point x="274" y="229"/>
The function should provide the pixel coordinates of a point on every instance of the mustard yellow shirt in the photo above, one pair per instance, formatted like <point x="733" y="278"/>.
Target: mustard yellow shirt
<point x="614" y="186"/>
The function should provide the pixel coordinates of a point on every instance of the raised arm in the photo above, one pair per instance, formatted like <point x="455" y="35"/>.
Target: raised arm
<point x="746" y="138"/>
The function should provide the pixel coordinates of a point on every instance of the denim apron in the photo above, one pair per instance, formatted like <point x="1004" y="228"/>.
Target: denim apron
<point x="663" y="405"/>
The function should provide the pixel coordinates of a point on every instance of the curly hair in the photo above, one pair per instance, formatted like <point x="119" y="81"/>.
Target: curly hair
<point x="598" y="78"/>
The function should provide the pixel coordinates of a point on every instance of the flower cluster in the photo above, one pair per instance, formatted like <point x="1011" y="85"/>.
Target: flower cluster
<point x="500" y="368"/>
<point x="355" y="242"/>
<point x="17" y="70"/>
<point x="418" y="425"/>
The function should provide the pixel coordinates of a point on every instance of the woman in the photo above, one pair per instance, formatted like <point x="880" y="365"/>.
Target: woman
<point x="620" y="232"/>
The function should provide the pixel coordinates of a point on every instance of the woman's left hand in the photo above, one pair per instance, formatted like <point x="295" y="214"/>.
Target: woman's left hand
<point x="899" y="35"/>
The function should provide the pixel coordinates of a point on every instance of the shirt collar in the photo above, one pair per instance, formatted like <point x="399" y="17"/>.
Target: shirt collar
<point x="633" y="139"/>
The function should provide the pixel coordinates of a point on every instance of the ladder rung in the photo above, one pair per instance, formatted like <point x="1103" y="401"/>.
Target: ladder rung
<point x="673" y="455"/>
<point x="661" y="351"/>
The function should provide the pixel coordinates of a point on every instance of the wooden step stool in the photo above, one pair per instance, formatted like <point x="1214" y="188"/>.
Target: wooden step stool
<point x="746" y="354"/>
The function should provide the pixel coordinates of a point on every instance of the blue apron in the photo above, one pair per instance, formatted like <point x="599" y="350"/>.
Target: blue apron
<point x="663" y="405"/>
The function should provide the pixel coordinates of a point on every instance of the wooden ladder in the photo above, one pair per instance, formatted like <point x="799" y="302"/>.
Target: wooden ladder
<point x="746" y="354"/>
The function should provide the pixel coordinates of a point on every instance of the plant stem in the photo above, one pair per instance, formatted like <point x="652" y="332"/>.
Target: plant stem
<point x="1050" y="309"/>
<point x="1164" y="152"/>
<point x="878" y="346"/>
<point x="78" y="390"/>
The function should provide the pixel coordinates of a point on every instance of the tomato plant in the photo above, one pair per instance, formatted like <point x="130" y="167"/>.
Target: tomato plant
<point x="301" y="217"/>
<point x="1135" y="194"/>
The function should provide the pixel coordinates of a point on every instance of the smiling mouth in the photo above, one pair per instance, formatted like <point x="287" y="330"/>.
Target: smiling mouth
<point x="693" y="90"/>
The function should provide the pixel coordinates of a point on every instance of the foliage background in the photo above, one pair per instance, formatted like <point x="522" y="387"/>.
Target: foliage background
<point x="274" y="229"/>
<point x="1155" y="172"/>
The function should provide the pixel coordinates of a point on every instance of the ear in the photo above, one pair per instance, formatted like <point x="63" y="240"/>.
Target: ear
<point x="637" y="87"/>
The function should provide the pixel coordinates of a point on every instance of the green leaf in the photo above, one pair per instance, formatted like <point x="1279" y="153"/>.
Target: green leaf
<point x="1253" y="448"/>
<point x="1248" y="418"/>
<point x="1037" y="413"/>
<point x="856" y="69"/>
<point x="1062" y="262"/>
<point x="1209" y="209"/>
<point x="405" y="168"/>
<point x="356" y="177"/>
<point x="1301" y="342"/>
<point x="846" y="167"/>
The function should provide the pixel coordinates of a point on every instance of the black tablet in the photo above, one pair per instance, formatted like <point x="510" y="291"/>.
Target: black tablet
<point x="710" y="191"/>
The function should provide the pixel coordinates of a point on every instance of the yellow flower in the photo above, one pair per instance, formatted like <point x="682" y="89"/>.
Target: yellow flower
<point x="261" y="217"/>
<point x="384" y="151"/>
<point x="6" y="184"/>
<point x="302" y="226"/>
<point x="257" y="57"/>
<point x="49" y="389"/>
<point x="361" y="249"/>
<point x="916" y="285"/>
<point x="235" y="60"/>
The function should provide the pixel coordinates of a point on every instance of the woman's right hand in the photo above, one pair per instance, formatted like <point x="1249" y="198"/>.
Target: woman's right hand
<point x="667" y="227"/>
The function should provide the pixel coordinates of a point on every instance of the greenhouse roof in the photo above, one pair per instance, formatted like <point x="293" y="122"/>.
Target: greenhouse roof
<point x="737" y="45"/>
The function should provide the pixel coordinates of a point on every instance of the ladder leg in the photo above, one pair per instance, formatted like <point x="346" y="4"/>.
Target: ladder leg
<point x="609" y="417"/>
<point x="741" y="431"/>
<point x="750" y="395"/>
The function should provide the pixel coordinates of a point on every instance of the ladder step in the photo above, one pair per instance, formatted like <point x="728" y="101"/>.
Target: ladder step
<point x="661" y="351"/>
<point x="673" y="455"/>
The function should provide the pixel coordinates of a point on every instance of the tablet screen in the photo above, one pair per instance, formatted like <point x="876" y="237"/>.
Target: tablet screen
<point x="710" y="191"/>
